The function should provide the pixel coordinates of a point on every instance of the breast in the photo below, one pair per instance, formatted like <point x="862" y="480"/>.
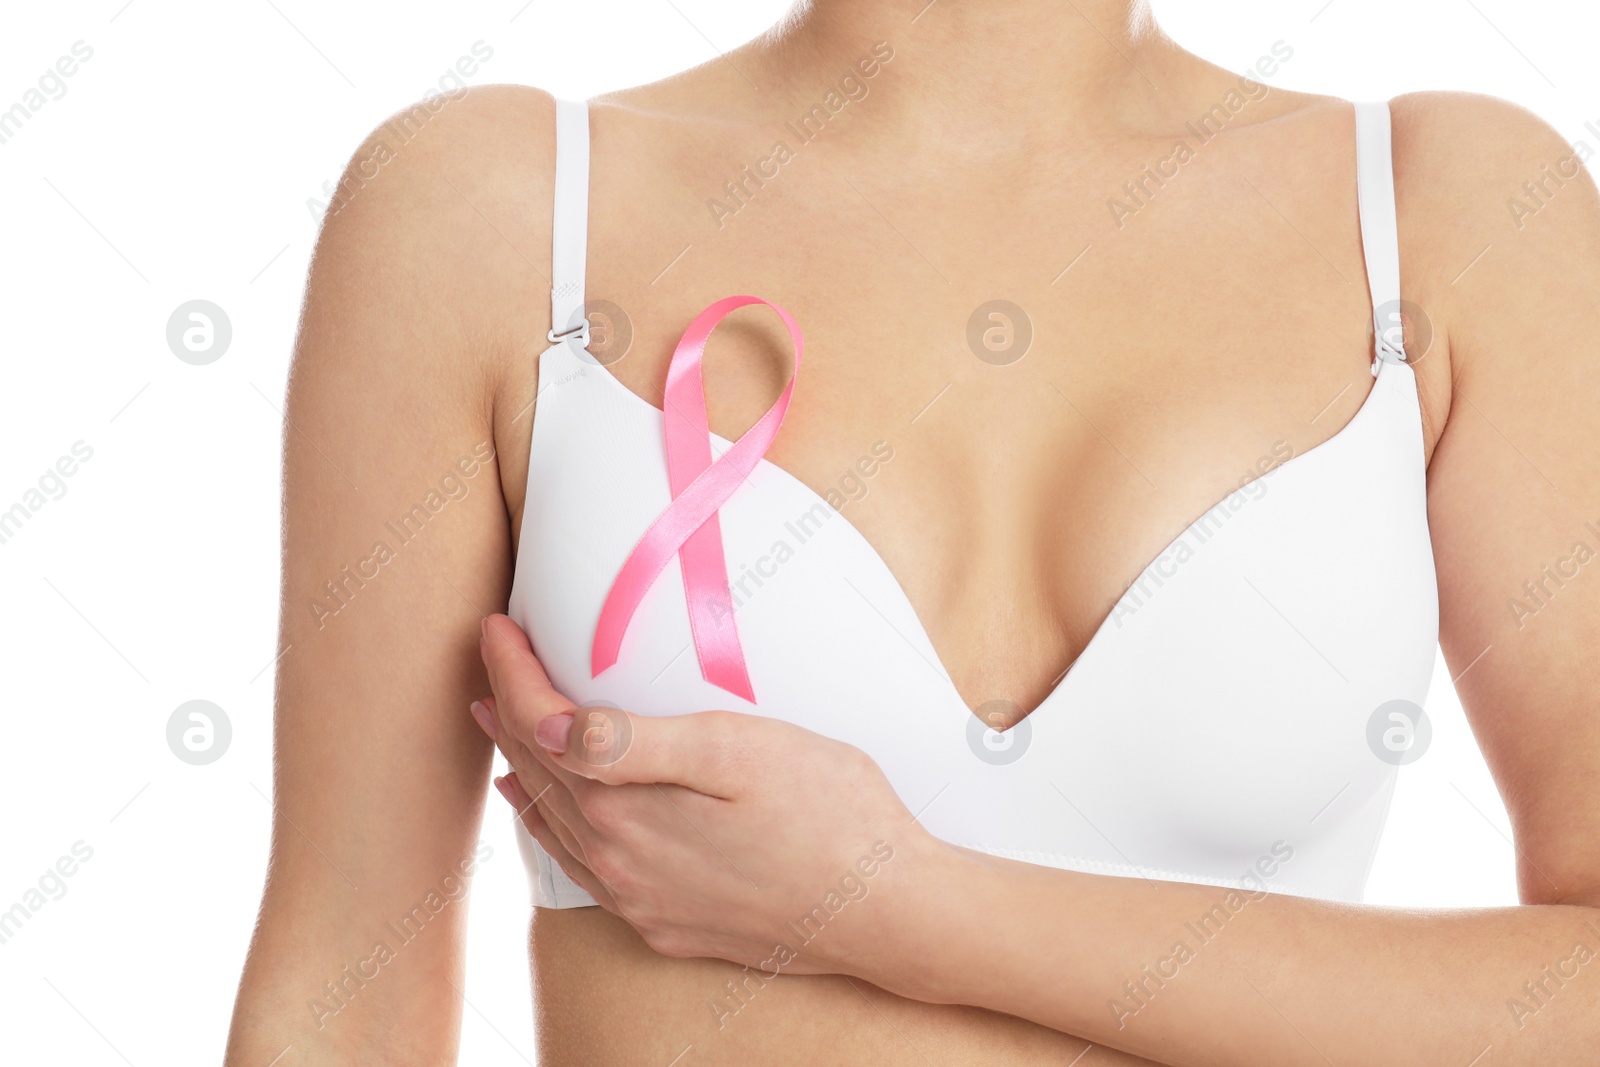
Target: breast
<point x="1214" y="730"/>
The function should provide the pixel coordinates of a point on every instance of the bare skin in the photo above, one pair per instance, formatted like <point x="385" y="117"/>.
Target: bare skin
<point x="1226" y="318"/>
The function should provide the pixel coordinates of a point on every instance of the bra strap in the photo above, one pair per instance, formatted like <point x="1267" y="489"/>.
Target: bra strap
<point x="1380" y="239"/>
<point x="569" y="237"/>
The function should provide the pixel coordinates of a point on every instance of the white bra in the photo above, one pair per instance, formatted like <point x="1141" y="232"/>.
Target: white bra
<point x="1217" y="727"/>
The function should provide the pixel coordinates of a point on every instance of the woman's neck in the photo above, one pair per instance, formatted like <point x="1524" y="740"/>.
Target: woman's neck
<point x="972" y="77"/>
<point x="1002" y="44"/>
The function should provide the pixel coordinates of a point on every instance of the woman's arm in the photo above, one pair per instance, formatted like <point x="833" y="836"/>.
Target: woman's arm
<point x="1267" y="981"/>
<point x="396" y="542"/>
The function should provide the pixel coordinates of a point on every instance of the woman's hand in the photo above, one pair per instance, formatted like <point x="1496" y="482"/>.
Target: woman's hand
<point x="713" y="834"/>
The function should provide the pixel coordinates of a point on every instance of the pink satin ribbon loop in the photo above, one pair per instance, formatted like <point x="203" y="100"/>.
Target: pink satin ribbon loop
<point x="689" y="527"/>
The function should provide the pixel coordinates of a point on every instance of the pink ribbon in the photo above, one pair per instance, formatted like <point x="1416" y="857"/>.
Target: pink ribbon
<point x="689" y="527"/>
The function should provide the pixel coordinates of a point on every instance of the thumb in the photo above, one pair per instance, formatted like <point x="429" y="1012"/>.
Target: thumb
<point x="699" y="751"/>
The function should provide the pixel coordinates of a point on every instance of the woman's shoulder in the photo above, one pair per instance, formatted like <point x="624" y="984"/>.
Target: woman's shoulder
<point x="456" y="187"/>
<point x="439" y="230"/>
<point x="1481" y="167"/>
<point x="1499" y="217"/>
<point x="1472" y="119"/>
<point x="427" y="298"/>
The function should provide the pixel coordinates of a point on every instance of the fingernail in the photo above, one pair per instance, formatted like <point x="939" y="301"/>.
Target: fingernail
<point x="552" y="731"/>
<point x="483" y="626"/>
<point x="505" y="790"/>
<point x="480" y="711"/>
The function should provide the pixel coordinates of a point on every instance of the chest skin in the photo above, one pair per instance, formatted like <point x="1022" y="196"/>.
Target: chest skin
<point x="1060" y="384"/>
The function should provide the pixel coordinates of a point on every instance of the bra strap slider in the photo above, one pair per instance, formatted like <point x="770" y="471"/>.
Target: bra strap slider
<point x="579" y="333"/>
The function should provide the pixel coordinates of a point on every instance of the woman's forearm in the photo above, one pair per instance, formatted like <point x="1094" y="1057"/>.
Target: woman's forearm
<point x="1182" y="974"/>
<point x="1192" y="974"/>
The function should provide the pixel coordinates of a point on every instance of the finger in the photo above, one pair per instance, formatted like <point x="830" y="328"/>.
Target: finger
<point x="515" y="673"/>
<point x="488" y="712"/>
<point x="529" y="811"/>
<point x="559" y="806"/>
<point x="530" y="711"/>
<point x="700" y="751"/>
<point x="708" y="751"/>
<point x="526" y="698"/>
<point x="485" y="711"/>
<point x="551" y="841"/>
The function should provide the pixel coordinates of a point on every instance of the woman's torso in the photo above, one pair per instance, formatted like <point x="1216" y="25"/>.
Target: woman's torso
<point x="1220" y="326"/>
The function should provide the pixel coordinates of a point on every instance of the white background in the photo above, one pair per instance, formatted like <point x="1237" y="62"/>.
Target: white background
<point x="178" y="165"/>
